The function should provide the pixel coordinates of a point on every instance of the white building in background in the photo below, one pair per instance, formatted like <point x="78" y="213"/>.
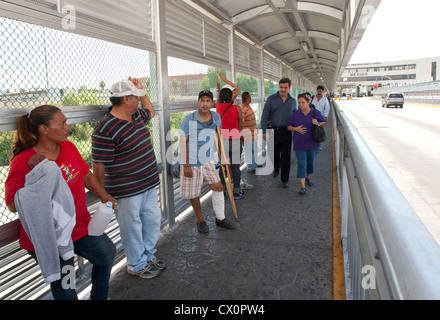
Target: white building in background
<point x="390" y="74"/>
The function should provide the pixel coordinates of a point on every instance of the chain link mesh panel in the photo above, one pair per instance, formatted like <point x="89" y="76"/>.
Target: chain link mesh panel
<point x="39" y="65"/>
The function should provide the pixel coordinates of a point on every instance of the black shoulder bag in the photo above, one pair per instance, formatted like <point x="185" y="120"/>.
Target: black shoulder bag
<point x="318" y="132"/>
<point x="226" y="110"/>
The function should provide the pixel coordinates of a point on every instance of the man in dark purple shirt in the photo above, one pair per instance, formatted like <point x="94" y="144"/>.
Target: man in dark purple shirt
<point x="277" y="109"/>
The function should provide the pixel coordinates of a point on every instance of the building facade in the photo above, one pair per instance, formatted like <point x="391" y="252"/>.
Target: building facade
<point x="372" y="76"/>
<point x="185" y="85"/>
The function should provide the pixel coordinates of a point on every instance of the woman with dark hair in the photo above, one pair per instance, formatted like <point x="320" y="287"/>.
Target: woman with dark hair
<point x="42" y="134"/>
<point x="231" y="117"/>
<point x="301" y="123"/>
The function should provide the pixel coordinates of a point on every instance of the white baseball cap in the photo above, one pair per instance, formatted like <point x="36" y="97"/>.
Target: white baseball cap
<point x="228" y="86"/>
<point x="126" y="88"/>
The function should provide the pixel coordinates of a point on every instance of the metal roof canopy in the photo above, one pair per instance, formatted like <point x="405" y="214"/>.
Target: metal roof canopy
<point x="316" y="38"/>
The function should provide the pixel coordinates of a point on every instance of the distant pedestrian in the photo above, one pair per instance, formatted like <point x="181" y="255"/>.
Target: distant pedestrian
<point x="321" y="103"/>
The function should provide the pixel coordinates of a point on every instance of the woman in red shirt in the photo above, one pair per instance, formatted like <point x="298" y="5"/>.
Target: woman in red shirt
<point x="231" y="116"/>
<point x="44" y="131"/>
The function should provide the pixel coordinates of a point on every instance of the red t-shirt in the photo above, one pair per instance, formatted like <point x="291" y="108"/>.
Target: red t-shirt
<point x="73" y="168"/>
<point x="230" y="128"/>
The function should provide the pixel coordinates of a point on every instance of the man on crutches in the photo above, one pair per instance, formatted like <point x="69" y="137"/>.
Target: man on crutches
<point x="197" y="149"/>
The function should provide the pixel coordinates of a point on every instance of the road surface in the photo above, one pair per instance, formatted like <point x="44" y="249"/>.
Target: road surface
<point x="407" y="143"/>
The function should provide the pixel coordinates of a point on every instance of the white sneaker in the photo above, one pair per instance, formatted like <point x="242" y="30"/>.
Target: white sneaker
<point x="246" y="186"/>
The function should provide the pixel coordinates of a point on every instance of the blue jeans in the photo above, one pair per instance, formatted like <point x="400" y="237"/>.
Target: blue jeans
<point x="250" y="154"/>
<point x="306" y="162"/>
<point x="139" y="219"/>
<point x="100" y="251"/>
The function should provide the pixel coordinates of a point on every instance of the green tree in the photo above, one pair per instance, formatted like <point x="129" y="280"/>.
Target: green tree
<point x="270" y="87"/>
<point x="247" y="83"/>
<point x="147" y="83"/>
<point x="84" y="97"/>
<point x="175" y="85"/>
<point x="210" y="80"/>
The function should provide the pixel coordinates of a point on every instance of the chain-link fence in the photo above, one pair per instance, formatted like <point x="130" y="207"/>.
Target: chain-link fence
<point x="39" y="65"/>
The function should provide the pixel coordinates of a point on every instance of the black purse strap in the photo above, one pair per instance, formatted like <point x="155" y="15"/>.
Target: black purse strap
<point x="226" y="110"/>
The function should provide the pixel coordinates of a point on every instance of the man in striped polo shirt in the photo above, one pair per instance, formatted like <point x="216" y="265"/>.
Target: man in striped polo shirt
<point x="123" y="160"/>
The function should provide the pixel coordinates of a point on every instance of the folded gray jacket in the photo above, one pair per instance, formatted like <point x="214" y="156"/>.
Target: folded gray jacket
<point x="47" y="212"/>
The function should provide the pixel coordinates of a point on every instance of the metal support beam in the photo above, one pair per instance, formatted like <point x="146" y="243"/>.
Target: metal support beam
<point x="167" y="198"/>
<point x="232" y="53"/>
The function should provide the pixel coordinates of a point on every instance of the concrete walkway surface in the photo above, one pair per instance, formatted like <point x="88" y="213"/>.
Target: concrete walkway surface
<point x="281" y="248"/>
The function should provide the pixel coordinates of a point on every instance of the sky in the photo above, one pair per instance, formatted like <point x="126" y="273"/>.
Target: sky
<point x="399" y="30"/>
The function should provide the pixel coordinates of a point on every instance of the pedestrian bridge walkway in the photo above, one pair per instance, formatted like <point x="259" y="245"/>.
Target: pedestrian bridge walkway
<point x="285" y="246"/>
<point x="282" y="247"/>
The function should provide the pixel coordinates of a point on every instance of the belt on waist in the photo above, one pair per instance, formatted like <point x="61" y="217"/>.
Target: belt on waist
<point x="279" y="128"/>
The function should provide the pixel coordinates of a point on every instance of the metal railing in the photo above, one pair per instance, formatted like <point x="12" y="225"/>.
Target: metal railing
<point x="424" y="93"/>
<point x="389" y="252"/>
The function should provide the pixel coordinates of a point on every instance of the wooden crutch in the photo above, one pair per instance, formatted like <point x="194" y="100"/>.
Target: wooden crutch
<point x="221" y="153"/>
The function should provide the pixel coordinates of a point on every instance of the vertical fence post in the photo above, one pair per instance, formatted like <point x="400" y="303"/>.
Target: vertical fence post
<point x="167" y="194"/>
